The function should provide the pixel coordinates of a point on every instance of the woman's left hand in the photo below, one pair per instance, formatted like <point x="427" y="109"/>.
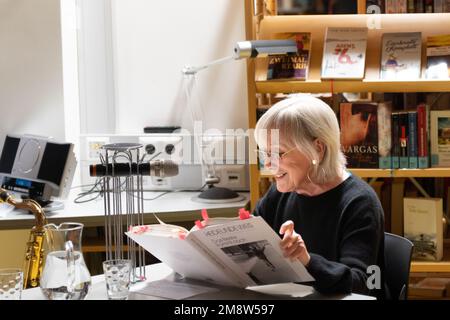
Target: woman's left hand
<point x="292" y="244"/>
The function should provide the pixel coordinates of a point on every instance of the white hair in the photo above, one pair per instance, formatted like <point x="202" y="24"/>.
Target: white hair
<point x="300" y="120"/>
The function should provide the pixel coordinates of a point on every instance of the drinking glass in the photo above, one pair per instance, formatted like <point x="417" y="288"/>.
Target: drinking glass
<point x="117" y="277"/>
<point x="11" y="283"/>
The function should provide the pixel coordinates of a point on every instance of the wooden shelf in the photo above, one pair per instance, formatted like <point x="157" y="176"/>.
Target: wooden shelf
<point x="430" y="267"/>
<point x="402" y="173"/>
<point x="395" y="173"/>
<point x="336" y="86"/>
<point x="426" y="23"/>
<point x="434" y="267"/>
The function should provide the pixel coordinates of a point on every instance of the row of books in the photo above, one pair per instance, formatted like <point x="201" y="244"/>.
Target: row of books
<point x="373" y="136"/>
<point x="407" y="6"/>
<point x="344" y="56"/>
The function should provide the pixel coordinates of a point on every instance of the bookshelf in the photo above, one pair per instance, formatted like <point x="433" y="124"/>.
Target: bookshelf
<point x="263" y="23"/>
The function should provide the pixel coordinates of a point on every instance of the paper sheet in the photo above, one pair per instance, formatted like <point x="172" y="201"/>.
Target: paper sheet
<point x="284" y="289"/>
<point x="171" y="290"/>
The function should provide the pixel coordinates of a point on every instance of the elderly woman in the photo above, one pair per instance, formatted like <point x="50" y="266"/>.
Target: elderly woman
<point x="330" y="220"/>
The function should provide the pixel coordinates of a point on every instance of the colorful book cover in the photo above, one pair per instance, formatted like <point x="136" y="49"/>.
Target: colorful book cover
<point x="401" y="55"/>
<point x="384" y="135"/>
<point x="423" y="226"/>
<point x="438" y="57"/>
<point x="440" y="138"/>
<point x="295" y="66"/>
<point x="344" y="54"/>
<point x="359" y="134"/>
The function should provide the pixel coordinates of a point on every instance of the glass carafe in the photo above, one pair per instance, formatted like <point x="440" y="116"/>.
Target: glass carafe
<point x="65" y="275"/>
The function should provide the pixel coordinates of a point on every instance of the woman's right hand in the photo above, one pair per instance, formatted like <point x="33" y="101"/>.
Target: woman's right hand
<point x="292" y="244"/>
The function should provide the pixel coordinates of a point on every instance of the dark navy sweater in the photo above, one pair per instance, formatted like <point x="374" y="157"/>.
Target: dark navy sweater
<point x="343" y="230"/>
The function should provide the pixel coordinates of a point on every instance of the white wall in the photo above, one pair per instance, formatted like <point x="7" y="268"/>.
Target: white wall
<point x="97" y="110"/>
<point x="31" y="86"/>
<point x="154" y="40"/>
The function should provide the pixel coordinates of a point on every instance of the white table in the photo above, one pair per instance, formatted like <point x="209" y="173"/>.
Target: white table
<point x="160" y="271"/>
<point x="171" y="207"/>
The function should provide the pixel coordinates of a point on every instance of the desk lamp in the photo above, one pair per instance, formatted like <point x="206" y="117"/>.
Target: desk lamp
<point x="242" y="50"/>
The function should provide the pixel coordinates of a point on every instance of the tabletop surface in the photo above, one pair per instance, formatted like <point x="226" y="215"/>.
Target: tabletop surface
<point x="160" y="271"/>
<point x="172" y="206"/>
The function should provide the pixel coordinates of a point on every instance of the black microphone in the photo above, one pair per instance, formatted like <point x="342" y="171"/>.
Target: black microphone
<point x="157" y="168"/>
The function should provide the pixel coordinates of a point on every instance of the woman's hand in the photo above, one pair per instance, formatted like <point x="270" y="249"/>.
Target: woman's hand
<point x="292" y="244"/>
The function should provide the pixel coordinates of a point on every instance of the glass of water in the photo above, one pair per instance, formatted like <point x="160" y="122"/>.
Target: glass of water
<point x="117" y="277"/>
<point x="11" y="283"/>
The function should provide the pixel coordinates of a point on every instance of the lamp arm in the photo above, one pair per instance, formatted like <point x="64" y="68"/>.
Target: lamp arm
<point x="190" y="70"/>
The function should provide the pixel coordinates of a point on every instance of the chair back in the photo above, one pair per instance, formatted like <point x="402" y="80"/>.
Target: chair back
<point x="397" y="254"/>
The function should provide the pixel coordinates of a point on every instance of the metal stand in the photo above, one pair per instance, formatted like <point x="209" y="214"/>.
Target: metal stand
<point x="123" y="205"/>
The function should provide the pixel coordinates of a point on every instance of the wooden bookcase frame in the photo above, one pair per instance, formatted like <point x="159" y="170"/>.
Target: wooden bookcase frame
<point x="262" y="22"/>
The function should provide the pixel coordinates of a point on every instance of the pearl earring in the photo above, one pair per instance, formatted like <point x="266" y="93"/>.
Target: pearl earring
<point x="314" y="162"/>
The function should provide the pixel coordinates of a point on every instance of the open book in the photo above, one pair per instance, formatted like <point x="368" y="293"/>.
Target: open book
<point x="238" y="252"/>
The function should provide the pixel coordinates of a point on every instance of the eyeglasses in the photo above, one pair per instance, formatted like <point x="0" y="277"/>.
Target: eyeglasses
<point x="273" y="156"/>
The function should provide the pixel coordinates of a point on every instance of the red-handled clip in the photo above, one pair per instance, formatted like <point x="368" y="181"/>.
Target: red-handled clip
<point x="243" y="214"/>
<point x="205" y="215"/>
<point x="199" y="224"/>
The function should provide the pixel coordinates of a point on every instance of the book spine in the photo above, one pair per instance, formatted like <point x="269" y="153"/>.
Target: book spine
<point x="390" y="6"/>
<point x="384" y="135"/>
<point x="438" y="6"/>
<point x="447" y="6"/>
<point x="428" y="6"/>
<point x="422" y="136"/>
<point x="418" y="5"/>
<point x="403" y="137"/>
<point x="395" y="141"/>
<point x="412" y="139"/>
<point x="402" y="6"/>
<point x="411" y="6"/>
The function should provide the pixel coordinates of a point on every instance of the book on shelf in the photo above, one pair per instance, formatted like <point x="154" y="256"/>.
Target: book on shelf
<point x="292" y="66"/>
<point x="397" y="6"/>
<point x="412" y="140"/>
<point x="359" y="134"/>
<point x="438" y="57"/>
<point x="384" y="124"/>
<point x="239" y="252"/>
<point x="419" y="6"/>
<point x="423" y="116"/>
<point x="395" y="154"/>
<point x="440" y="138"/>
<point x="344" y="54"/>
<point x="428" y="6"/>
<point x="423" y="227"/>
<point x="403" y="136"/>
<point x="401" y="56"/>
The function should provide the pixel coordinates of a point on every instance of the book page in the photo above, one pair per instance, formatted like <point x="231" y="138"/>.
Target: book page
<point x="182" y="256"/>
<point x="251" y="249"/>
